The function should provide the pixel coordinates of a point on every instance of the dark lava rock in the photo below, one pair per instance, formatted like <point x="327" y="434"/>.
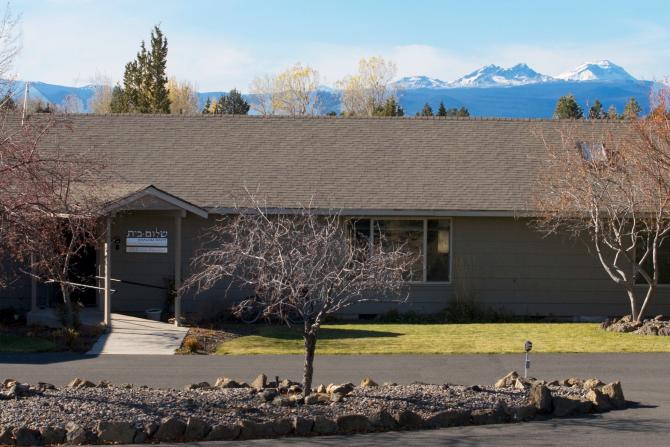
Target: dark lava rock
<point x="52" y="435"/>
<point x="324" y="426"/>
<point x="27" y="436"/>
<point x="116" y="432"/>
<point x="302" y="426"/>
<point x="353" y="423"/>
<point x="196" y="429"/>
<point x="170" y="430"/>
<point x="223" y="432"/>
<point x="409" y="420"/>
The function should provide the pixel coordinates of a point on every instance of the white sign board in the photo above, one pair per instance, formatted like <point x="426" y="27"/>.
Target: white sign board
<point x="147" y="241"/>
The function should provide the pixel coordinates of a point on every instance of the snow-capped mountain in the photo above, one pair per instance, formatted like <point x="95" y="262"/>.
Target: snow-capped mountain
<point x="518" y="91"/>
<point x="412" y="82"/>
<point x="597" y="71"/>
<point x="496" y="76"/>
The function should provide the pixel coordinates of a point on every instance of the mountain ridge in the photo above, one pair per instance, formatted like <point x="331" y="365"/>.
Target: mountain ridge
<point x="515" y="92"/>
<point x="521" y="74"/>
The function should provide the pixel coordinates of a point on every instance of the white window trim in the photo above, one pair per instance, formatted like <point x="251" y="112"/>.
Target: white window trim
<point x="424" y="249"/>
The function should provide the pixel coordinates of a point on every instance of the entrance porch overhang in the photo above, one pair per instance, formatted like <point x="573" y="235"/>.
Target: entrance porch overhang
<point x="148" y="198"/>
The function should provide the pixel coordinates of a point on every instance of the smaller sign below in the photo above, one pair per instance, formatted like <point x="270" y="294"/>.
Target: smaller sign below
<point x="147" y="241"/>
<point x="144" y="249"/>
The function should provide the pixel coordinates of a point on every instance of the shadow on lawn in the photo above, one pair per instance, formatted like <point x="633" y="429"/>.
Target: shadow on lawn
<point x="324" y="333"/>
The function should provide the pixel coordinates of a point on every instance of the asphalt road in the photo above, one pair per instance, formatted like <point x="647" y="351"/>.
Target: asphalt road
<point x="644" y="377"/>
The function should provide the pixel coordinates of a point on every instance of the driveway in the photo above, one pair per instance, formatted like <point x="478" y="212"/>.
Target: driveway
<point x="132" y="335"/>
<point x="644" y="378"/>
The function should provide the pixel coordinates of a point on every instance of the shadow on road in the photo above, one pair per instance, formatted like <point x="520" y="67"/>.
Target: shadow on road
<point x="45" y="358"/>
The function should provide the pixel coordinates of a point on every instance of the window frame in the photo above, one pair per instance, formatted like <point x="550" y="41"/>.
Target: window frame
<point x="640" y="282"/>
<point x="424" y="246"/>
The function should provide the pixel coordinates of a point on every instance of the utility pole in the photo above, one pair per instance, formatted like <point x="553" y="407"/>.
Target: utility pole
<point x="25" y="102"/>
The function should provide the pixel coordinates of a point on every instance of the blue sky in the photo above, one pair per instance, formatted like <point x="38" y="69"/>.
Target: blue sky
<point x="225" y="43"/>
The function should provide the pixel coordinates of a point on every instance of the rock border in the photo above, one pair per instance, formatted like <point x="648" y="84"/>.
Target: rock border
<point x="540" y="404"/>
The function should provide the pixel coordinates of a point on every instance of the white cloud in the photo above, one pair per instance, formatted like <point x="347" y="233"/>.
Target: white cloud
<point x="72" y="48"/>
<point x="211" y="65"/>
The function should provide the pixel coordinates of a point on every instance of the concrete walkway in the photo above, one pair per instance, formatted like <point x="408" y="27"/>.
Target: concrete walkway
<point x="132" y="335"/>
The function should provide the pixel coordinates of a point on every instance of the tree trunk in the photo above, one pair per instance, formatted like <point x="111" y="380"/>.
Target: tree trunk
<point x="310" y="346"/>
<point x="67" y="302"/>
<point x="632" y="297"/>
<point x="650" y="294"/>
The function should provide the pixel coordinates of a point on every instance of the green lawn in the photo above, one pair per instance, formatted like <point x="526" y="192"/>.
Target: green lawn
<point x="445" y="339"/>
<point x="16" y="343"/>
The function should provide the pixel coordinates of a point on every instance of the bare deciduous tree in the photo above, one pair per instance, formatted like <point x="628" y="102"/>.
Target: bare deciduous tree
<point x="48" y="204"/>
<point x="100" y="102"/>
<point x="614" y="189"/>
<point x="370" y="88"/>
<point x="262" y="90"/>
<point x="183" y="97"/>
<point x="293" y="91"/>
<point x="300" y="267"/>
<point x="71" y="104"/>
<point x="10" y="46"/>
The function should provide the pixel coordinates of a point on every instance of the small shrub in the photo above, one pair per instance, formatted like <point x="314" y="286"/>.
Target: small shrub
<point x="70" y="338"/>
<point x="191" y="344"/>
<point x="62" y="313"/>
<point x="457" y="311"/>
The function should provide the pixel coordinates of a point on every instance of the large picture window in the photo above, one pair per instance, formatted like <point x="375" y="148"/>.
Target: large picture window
<point x="663" y="258"/>
<point x="409" y="233"/>
<point x="428" y="239"/>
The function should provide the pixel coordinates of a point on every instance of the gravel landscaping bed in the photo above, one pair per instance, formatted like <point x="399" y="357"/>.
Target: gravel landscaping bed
<point x="659" y="325"/>
<point x="84" y="412"/>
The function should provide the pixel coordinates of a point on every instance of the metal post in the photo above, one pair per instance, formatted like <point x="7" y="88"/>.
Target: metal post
<point x="177" y="268"/>
<point x="108" y="274"/>
<point x="528" y="346"/>
<point x="525" y="367"/>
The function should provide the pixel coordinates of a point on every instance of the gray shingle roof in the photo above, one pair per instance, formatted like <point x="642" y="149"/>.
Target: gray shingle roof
<point x="433" y="165"/>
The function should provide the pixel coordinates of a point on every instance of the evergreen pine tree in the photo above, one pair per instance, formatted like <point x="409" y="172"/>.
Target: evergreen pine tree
<point x="156" y="80"/>
<point x="427" y="110"/>
<point x="44" y="107"/>
<point x="632" y="109"/>
<point x="442" y="111"/>
<point x="119" y="102"/>
<point x="390" y="108"/>
<point x="208" y="104"/>
<point x="612" y="114"/>
<point x="144" y="80"/>
<point x="567" y="108"/>
<point x="463" y="112"/>
<point x="596" y="111"/>
<point x="232" y="104"/>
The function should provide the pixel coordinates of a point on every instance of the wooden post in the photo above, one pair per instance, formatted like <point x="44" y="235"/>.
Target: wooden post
<point x="177" y="267"/>
<point x="108" y="274"/>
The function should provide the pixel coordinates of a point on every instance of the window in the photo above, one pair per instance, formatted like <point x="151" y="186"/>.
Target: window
<point x="663" y="258"/>
<point x="428" y="239"/>
<point x="438" y="245"/>
<point x="593" y="152"/>
<point x="408" y="233"/>
<point x="361" y="229"/>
